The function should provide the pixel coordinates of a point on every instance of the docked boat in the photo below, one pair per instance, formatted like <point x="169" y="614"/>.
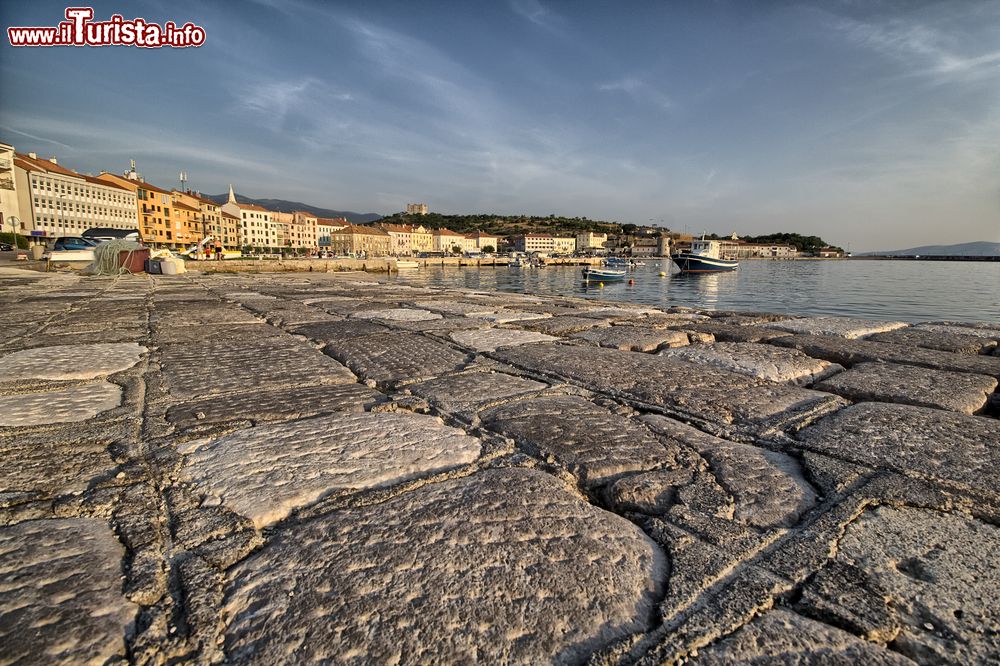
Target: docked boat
<point x="406" y="263"/>
<point x="606" y="274"/>
<point x="705" y="256"/>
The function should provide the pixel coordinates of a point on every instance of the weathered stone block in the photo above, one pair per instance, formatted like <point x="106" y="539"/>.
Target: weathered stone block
<point x="396" y="359"/>
<point x="397" y="314"/>
<point x="728" y="401"/>
<point x="265" y="473"/>
<point x="473" y="569"/>
<point x="328" y="331"/>
<point x="588" y="440"/>
<point x="768" y="488"/>
<point x="911" y="385"/>
<point x="782" y="637"/>
<point x="633" y="338"/>
<point x="284" y="404"/>
<point x="851" y="352"/>
<point x="69" y="362"/>
<point x="69" y="405"/>
<point x="61" y="593"/>
<point x="491" y="339"/>
<point x="839" y="326"/>
<point x="959" y="343"/>
<point x="724" y="332"/>
<point x="237" y="365"/>
<point x="563" y="325"/>
<point x="938" y="573"/>
<point x="469" y="392"/>
<point x="953" y="449"/>
<point x="785" y="366"/>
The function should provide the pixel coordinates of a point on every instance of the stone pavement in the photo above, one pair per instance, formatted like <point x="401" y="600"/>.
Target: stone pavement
<point x="294" y="468"/>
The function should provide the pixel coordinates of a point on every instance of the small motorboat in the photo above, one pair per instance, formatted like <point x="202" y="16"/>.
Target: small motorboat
<point x="606" y="274"/>
<point x="402" y="264"/>
<point x="706" y="256"/>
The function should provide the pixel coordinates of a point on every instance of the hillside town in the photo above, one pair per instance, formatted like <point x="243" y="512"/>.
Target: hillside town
<point x="48" y="200"/>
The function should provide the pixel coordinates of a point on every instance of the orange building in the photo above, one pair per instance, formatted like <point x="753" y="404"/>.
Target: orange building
<point x="158" y="222"/>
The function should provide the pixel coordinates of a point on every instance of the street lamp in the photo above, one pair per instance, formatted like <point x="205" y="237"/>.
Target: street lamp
<point x="14" y="221"/>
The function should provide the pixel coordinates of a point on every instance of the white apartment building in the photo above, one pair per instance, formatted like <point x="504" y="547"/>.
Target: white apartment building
<point x="446" y="239"/>
<point x="534" y="243"/>
<point x="478" y="240"/>
<point x="256" y="228"/>
<point x="400" y="238"/>
<point x="11" y="219"/>
<point x="55" y="201"/>
<point x="326" y="227"/>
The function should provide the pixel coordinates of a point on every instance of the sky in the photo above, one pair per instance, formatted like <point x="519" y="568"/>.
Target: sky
<point x="874" y="124"/>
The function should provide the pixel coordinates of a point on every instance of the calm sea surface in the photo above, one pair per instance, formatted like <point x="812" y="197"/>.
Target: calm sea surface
<point x="910" y="291"/>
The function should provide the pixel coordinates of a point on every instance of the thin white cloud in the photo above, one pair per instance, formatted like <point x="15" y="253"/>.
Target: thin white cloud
<point x="536" y="13"/>
<point x="638" y="90"/>
<point x="34" y="137"/>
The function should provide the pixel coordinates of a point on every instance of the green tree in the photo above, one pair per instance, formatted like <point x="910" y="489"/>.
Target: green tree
<point x="489" y="249"/>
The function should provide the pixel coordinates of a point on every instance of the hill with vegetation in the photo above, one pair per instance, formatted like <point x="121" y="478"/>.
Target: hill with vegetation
<point x="975" y="249"/>
<point x="507" y="225"/>
<point x="283" y="206"/>
<point x="810" y="244"/>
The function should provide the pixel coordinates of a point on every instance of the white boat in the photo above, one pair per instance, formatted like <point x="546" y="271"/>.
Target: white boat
<point x="592" y="274"/>
<point x="706" y="256"/>
<point x="406" y="264"/>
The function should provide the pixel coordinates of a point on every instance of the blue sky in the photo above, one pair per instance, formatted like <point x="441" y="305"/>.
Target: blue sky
<point x="874" y="124"/>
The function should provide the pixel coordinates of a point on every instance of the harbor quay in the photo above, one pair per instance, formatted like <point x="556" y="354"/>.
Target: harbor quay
<point x="331" y="467"/>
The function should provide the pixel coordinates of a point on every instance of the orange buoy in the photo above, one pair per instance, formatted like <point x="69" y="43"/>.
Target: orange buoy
<point x="631" y="281"/>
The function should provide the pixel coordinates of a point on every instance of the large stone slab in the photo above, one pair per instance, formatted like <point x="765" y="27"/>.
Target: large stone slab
<point x="398" y="358"/>
<point x="937" y="572"/>
<point x="851" y="352"/>
<point x="491" y="339"/>
<point x="397" y="314"/>
<point x="988" y="330"/>
<point x="959" y="343"/>
<point x="726" y="332"/>
<point x="265" y="473"/>
<point x="591" y="442"/>
<point x="768" y="488"/>
<point x="509" y="316"/>
<point x="328" y="331"/>
<point x="633" y="338"/>
<point x="563" y="325"/>
<point x="226" y="366"/>
<point x="69" y="362"/>
<point x="505" y="566"/>
<point x="839" y="326"/>
<point x="68" y="405"/>
<point x="199" y="313"/>
<point x="787" y="366"/>
<point x="61" y="593"/>
<point x="46" y="464"/>
<point x="469" y="392"/>
<point x="911" y="385"/>
<point x="283" y="404"/>
<point x="727" y="401"/>
<point x="780" y="637"/>
<point x="953" y="449"/>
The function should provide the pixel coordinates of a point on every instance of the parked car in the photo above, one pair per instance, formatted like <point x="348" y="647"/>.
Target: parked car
<point x="74" y="243"/>
<point x="6" y="247"/>
<point x="98" y="234"/>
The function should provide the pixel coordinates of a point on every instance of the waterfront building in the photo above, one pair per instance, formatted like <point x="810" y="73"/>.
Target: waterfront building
<point x="644" y="247"/>
<point x="352" y="239"/>
<point x="829" y="253"/>
<point x="257" y="230"/>
<point x="564" y="244"/>
<point x="416" y="209"/>
<point x="401" y="236"/>
<point x="229" y="228"/>
<point x="325" y="228"/>
<point x="478" y="241"/>
<point x="533" y="243"/>
<point x="213" y="222"/>
<point x="55" y="201"/>
<point x="587" y="241"/>
<point x="189" y="216"/>
<point x="421" y="239"/>
<point x="746" y="250"/>
<point x="158" y="222"/>
<point x="446" y="240"/>
<point x="305" y="228"/>
<point x="11" y="218"/>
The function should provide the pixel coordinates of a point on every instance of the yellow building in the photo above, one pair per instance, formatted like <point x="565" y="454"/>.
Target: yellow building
<point x="370" y="241"/>
<point x="306" y="230"/>
<point x="158" y="223"/>
<point x="422" y="239"/>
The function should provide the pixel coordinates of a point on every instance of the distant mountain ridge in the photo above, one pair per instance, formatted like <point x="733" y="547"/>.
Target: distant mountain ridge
<point x="283" y="206"/>
<point x="975" y="249"/>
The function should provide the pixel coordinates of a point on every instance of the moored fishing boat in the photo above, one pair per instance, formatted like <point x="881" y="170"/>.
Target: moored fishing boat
<point x="705" y="256"/>
<point x="593" y="274"/>
<point x="406" y="263"/>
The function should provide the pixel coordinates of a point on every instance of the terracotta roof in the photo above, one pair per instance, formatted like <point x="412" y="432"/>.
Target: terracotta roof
<point x="332" y="221"/>
<point x="151" y="188"/>
<point x="398" y="228"/>
<point x="354" y="229"/>
<point x="184" y="206"/>
<point x="249" y="206"/>
<point x="28" y="164"/>
<point x="444" y="231"/>
<point x="225" y="214"/>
